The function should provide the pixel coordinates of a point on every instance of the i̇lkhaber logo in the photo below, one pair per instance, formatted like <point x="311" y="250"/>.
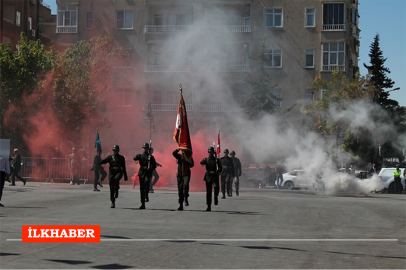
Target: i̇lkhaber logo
<point x="61" y="233"/>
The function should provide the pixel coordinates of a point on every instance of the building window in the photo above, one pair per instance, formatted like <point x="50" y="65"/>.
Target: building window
<point x="126" y="96"/>
<point x="309" y="96"/>
<point x="333" y="56"/>
<point x="29" y="23"/>
<point x="333" y="16"/>
<point x="278" y="94"/>
<point x="67" y="16"/>
<point x="310" y="58"/>
<point x="273" y="17"/>
<point x="158" y="19"/>
<point x="273" y="58"/>
<point x="179" y="19"/>
<point x="18" y="18"/>
<point x="89" y="20"/>
<point x="324" y="93"/>
<point x="124" y="19"/>
<point x="310" y="12"/>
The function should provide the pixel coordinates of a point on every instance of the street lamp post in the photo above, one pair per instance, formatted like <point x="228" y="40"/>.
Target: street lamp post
<point x="150" y="117"/>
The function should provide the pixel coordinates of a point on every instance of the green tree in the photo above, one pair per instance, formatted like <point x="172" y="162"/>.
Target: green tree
<point x="20" y="72"/>
<point x="260" y="100"/>
<point x="378" y="76"/>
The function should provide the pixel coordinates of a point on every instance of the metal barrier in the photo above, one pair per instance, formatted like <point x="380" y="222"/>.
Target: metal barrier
<point x="51" y="168"/>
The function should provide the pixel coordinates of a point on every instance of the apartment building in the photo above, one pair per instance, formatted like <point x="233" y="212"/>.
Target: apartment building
<point x="208" y="45"/>
<point x="32" y="17"/>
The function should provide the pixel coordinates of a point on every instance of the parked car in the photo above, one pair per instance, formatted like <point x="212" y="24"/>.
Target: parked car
<point x="386" y="176"/>
<point x="299" y="179"/>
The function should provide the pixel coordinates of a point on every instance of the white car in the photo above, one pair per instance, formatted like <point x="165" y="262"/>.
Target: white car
<point x="299" y="179"/>
<point x="386" y="176"/>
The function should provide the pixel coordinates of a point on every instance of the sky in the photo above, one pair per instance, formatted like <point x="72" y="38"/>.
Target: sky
<point x="386" y="18"/>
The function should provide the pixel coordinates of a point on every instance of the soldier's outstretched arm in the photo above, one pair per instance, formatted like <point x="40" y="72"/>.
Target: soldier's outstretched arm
<point x="137" y="157"/>
<point x="191" y="163"/>
<point x="203" y="162"/>
<point x="104" y="161"/>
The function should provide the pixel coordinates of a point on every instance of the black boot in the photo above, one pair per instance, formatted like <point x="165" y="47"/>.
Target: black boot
<point x="180" y="207"/>
<point x="116" y="194"/>
<point x="236" y="192"/>
<point x="208" y="207"/>
<point x="113" y="205"/>
<point x="216" y="200"/>
<point x="142" y="206"/>
<point x="224" y="196"/>
<point x="186" y="202"/>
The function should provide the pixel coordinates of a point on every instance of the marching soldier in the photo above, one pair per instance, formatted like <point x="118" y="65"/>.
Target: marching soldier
<point x="98" y="169"/>
<point x="147" y="166"/>
<point x="237" y="173"/>
<point x="116" y="171"/>
<point x="183" y="177"/>
<point x="213" y="168"/>
<point x="227" y="174"/>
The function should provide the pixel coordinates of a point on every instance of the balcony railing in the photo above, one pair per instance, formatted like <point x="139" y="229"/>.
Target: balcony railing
<point x="167" y="107"/>
<point x="7" y="20"/>
<point x="66" y="29"/>
<point x="233" y="68"/>
<point x="230" y="29"/>
<point x="167" y="68"/>
<point x="181" y="28"/>
<point x="165" y="28"/>
<point x="333" y="27"/>
<point x="190" y="107"/>
<point x="333" y="67"/>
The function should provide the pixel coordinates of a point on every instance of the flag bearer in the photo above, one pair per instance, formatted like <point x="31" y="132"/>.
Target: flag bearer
<point x="183" y="177"/>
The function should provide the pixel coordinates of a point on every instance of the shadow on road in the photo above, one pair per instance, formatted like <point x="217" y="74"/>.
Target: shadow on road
<point x="8" y="254"/>
<point x="116" y="237"/>
<point x="366" y="255"/>
<point x="111" y="266"/>
<point x="70" y="262"/>
<point x="265" y="247"/>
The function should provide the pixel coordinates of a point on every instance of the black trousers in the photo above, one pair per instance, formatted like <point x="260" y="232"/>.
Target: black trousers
<point x="156" y="178"/>
<point x="114" y="183"/>
<point x="225" y="183"/>
<point x="144" y="187"/>
<point x="96" y="177"/>
<point x="214" y="181"/>
<point x="15" y="174"/>
<point x="183" y="187"/>
<point x="3" y="180"/>
<point x="398" y="185"/>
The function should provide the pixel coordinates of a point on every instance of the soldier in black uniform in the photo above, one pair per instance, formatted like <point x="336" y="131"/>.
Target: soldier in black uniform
<point x="16" y="165"/>
<point x="98" y="169"/>
<point x="116" y="171"/>
<point x="227" y="174"/>
<point x="237" y="173"/>
<point x="183" y="177"/>
<point x="213" y="168"/>
<point x="147" y="166"/>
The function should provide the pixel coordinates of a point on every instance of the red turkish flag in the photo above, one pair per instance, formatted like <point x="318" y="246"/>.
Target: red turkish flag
<point x="218" y="144"/>
<point x="182" y="135"/>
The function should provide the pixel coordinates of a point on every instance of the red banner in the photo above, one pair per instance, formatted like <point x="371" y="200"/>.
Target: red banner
<point x="218" y="150"/>
<point x="182" y="135"/>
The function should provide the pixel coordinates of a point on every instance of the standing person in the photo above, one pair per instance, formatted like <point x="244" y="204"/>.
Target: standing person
<point x="213" y="168"/>
<point x="279" y="173"/>
<point x="373" y="169"/>
<point x="183" y="177"/>
<point x="227" y="174"/>
<point x="16" y="165"/>
<point x="116" y="171"/>
<point x="237" y="173"/>
<point x="98" y="169"/>
<point x="147" y="166"/>
<point x="74" y="166"/>
<point x="398" y="184"/>
<point x="4" y="175"/>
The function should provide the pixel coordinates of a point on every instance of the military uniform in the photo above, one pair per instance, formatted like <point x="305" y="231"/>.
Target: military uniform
<point x="98" y="169"/>
<point x="16" y="165"/>
<point x="227" y="175"/>
<point x="213" y="168"/>
<point x="237" y="174"/>
<point x="183" y="177"/>
<point x="147" y="166"/>
<point x="116" y="171"/>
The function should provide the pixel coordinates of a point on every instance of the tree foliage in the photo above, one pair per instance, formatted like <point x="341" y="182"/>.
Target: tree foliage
<point x="260" y="100"/>
<point x="378" y="76"/>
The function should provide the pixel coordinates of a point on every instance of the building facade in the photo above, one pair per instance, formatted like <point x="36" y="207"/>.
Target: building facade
<point x="29" y="16"/>
<point x="209" y="46"/>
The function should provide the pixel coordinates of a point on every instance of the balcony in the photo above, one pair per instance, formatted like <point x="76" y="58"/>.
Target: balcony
<point x="333" y="67"/>
<point x="66" y="29"/>
<point x="233" y="68"/>
<point x="167" y="107"/>
<point x="168" y="68"/>
<point x="165" y="28"/>
<point x="333" y="27"/>
<point x="211" y="29"/>
<point x="218" y="108"/>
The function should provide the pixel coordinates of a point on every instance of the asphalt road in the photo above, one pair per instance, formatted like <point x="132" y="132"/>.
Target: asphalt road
<point x="262" y="228"/>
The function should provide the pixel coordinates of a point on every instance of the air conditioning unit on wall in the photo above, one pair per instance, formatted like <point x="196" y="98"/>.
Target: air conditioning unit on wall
<point x="33" y="33"/>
